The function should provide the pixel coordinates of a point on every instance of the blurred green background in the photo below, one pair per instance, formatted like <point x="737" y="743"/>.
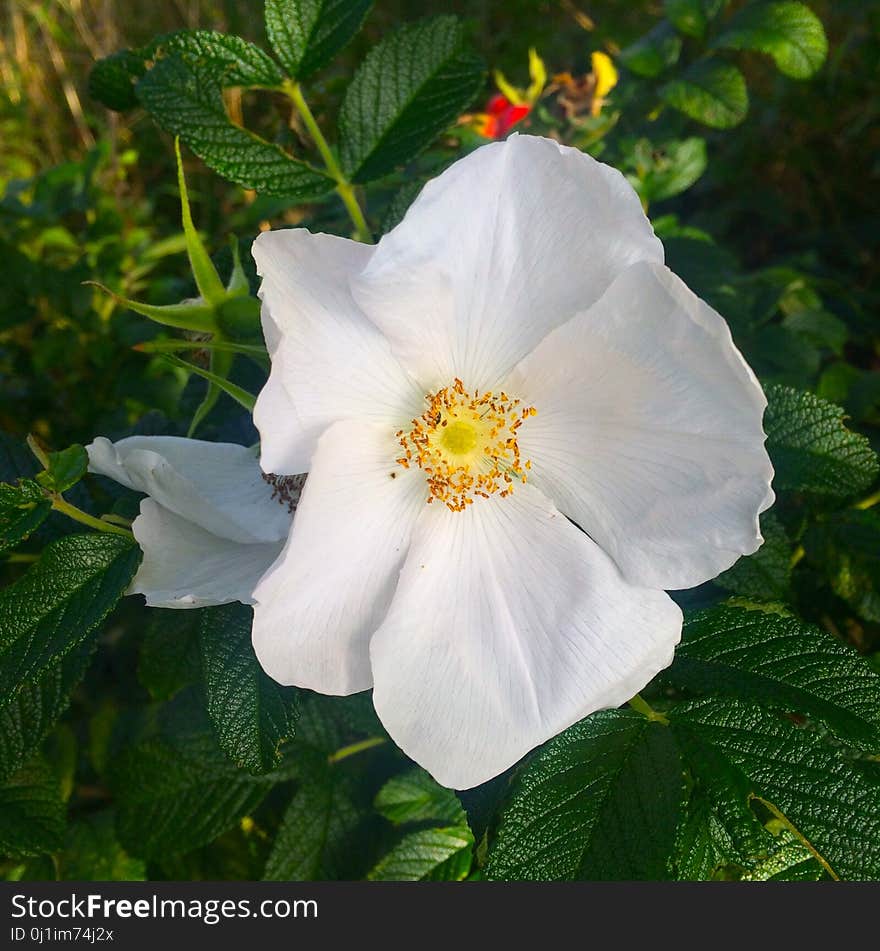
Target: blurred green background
<point x="89" y="194"/>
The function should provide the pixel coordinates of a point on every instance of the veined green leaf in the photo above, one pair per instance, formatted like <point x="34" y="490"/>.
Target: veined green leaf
<point x="186" y="101"/>
<point x="429" y="855"/>
<point x="782" y="661"/>
<point x="766" y="575"/>
<point x="600" y="801"/>
<point x="170" y="656"/>
<point x="409" y="88"/>
<point x="319" y="834"/>
<point x="830" y="802"/>
<point x="176" y="790"/>
<point x="787" y="860"/>
<point x="31" y="812"/>
<point x="251" y="713"/>
<point x="65" y="469"/>
<point x="414" y="796"/>
<point x="669" y="169"/>
<point x="811" y="449"/>
<point x="60" y="602"/>
<point x="711" y="92"/>
<point x="23" y="508"/>
<point x="228" y="60"/>
<point x="719" y="834"/>
<point x="27" y="717"/>
<point x="788" y="31"/>
<point x="307" y="34"/>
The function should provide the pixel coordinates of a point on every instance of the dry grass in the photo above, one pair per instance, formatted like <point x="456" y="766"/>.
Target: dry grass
<point x="47" y="48"/>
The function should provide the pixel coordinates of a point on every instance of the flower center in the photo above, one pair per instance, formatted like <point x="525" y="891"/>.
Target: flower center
<point x="466" y="445"/>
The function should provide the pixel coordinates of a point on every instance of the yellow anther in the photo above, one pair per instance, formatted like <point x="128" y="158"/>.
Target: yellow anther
<point x="466" y="445"/>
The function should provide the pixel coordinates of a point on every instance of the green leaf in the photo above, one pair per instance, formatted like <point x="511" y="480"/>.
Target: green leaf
<point x="228" y="60"/>
<point x="193" y="315"/>
<point x="65" y="469"/>
<point x="600" y="801"/>
<point x="251" y="713"/>
<point x="23" y="508"/>
<point x="32" y="812"/>
<point x="820" y="328"/>
<point x="410" y="87"/>
<point x="829" y="801"/>
<point x="92" y="853"/>
<point x="719" y="834"/>
<point x="186" y="101"/>
<point x="429" y="855"/>
<point x="170" y="655"/>
<point x="307" y="34"/>
<point x="27" y="717"/>
<point x="711" y="92"/>
<point x="60" y="602"/>
<point x="177" y="791"/>
<point x="788" y="860"/>
<point x="846" y="546"/>
<point x="811" y="449"/>
<point x="789" y="32"/>
<point x="668" y="170"/>
<point x="766" y="575"/>
<point x="112" y="79"/>
<point x="781" y="661"/>
<point x="415" y="796"/>
<point x="318" y="837"/>
<point x="208" y="282"/>
<point x="653" y="53"/>
<point x="687" y="16"/>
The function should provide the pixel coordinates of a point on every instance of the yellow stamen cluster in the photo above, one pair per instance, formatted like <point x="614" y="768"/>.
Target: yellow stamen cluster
<point x="466" y="445"/>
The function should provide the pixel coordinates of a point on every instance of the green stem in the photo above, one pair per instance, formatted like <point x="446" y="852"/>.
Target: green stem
<point x="344" y="187"/>
<point x="640" y="705"/>
<point x="870" y="501"/>
<point x="358" y="747"/>
<point x="797" y="555"/>
<point x="78" y="515"/>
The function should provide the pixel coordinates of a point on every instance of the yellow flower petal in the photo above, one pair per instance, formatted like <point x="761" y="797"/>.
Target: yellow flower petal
<point x="538" y="74"/>
<point x="605" y="73"/>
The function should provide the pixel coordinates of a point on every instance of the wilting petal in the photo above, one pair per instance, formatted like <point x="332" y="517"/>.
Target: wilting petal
<point x="185" y="566"/>
<point x="218" y="486"/>
<point x="508" y="625"/>
<point x="329" y="362"/>
<point x="507" y="244"/>
<point x="648" y="432"/>
<point x="322" y="600"/>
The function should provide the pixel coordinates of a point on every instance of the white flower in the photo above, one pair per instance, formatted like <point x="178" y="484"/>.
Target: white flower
<point x="211" y="525"/>
<point x="511" y="362"/>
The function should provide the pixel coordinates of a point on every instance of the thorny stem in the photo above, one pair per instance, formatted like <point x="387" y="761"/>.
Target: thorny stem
<point x="344" y="187"/>
<point x="78" y="515"/>
<point x="640" y="705"/>
<point x="354" y="748"/>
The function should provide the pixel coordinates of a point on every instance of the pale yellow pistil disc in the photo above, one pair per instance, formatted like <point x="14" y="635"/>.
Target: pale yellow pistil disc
<point x="466" y="445"/>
